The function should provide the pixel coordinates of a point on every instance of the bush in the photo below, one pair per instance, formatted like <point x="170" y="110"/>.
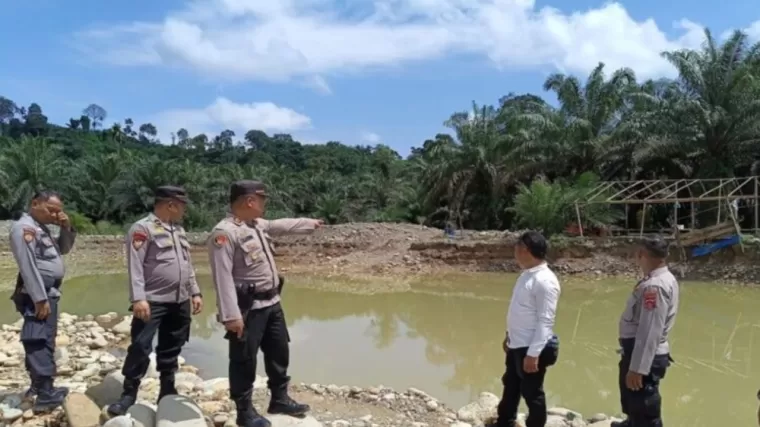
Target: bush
<point x="550" y="206"/>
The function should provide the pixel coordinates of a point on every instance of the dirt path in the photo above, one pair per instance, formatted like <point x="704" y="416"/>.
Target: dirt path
<point x="380" y="250"/>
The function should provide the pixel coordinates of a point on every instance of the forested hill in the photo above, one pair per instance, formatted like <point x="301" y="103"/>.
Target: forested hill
<point x="705" y="123"/>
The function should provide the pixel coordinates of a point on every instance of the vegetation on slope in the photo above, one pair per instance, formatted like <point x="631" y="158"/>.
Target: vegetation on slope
<point x="705" y="123"/>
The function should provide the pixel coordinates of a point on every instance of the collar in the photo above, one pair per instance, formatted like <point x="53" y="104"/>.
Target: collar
<point x="659" y="271"/>
<point x="157" y="221"/>
<point x="31" y="218"/>
<point x="233" y="219"/>
<point x="539" y="267"/>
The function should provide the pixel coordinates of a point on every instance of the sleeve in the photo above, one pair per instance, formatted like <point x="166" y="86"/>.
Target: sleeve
<point x="137" y="240"/>
<point x="280" y="227"/>
<point x="220" y="256"/>
<point x="66" y="240"/>
<point x="654" y="309"/>
<point x="546" y="294"/>
<point x="194" y="288"/>
<point x="23" y="238"/>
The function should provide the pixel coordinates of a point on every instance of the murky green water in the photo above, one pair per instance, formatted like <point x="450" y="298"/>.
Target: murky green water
<point x="445" y="337"/>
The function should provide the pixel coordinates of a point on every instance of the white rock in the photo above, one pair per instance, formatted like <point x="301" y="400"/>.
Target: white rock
<point x="124" y="327"/>
<point x="11" y="414"/>
<point x="460" y="424"/>
<point x="179" y="411"/>
<point x="480" y="410"/>
<point x="286" y="421"/>
<point x="142" y="415"/>
<point x="120" y="421"/>
<point x="108" y="391"/>
<point x="555" y="421"/>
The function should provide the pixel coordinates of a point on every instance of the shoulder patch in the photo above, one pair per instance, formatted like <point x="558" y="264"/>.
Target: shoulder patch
<point x="29" y="234"/>
<point x="138" y="239"/>
<point x="650" y="298"/>
<point x="220" y="239"/>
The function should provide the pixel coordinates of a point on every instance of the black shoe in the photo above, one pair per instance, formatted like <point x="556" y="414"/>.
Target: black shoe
<point x="285" y="405"/>
<point x="48" y="397"/>
<point x="167" y="387"/>
<point x="127" y="399"/>
<point x="247" y="416"/>
<point x="620" y="424"/>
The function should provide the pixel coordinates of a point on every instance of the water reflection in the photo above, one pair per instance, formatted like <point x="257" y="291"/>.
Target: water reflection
<point x="444" y="336"/>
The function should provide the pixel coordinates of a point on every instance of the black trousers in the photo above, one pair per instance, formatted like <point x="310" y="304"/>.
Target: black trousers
<point x="172" y="322"/>
<point x="643" y="407"/>
<point x="517" y="383"/>
<point x="38" y="338"/>
<point x="265" y="328"/>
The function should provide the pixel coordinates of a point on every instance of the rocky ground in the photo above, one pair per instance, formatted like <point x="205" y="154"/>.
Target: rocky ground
<point x="377" y="249"/>
<point x="88" y="359"/>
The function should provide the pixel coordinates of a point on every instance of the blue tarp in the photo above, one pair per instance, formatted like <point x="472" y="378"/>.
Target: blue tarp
<point x="715" y="246"/>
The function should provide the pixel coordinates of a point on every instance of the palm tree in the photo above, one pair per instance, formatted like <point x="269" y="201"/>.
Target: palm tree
<point x="712" y="120"/>
<point x="30" y="164"/>
<point x="477" y="169"/>
<point x="580" y="135"/>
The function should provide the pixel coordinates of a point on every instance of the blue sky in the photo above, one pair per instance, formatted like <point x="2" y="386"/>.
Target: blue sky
<point x="360" y="72"/>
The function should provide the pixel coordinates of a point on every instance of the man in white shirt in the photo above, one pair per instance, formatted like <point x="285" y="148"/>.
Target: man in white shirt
<point x="530" y="344"/>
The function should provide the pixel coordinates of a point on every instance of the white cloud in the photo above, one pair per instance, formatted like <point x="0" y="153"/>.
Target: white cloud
<point x="276" y="41"/>
<point x="319" y="84"/>
<point x="225" y="114"/>
<point x="370" y="137"/>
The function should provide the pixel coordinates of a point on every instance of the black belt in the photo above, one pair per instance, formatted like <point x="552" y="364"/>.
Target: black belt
<point x="265" y="295"/>
<point x="628" y="344"/>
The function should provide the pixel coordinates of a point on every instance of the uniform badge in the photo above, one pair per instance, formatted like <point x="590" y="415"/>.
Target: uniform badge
<point x="29" y="234"/>
<point x="220" y="240"/>
<point x="138" y="239"/>
<point x="650" y="298"/>
<point x="254" y="256"/>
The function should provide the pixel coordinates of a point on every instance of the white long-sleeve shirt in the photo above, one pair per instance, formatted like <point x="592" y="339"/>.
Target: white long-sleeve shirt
<point x="530" y="319"/>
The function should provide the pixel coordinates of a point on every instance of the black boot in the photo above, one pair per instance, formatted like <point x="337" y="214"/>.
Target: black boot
<point x="283" y="404"/>
<point x="167" y="386"/>
<point x="128" y="398"/>
<point x="247" y="416"/>
<point x="48" y="397"/>
<point x="620" y="424"/>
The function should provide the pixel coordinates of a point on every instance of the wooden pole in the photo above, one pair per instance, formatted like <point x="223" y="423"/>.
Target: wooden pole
<point x="720" y="204"/>
<point x="757" y="212"/>
<point x="675" y="209"/>
<point x="578" y="218"/>
<point x="643" y="220"/>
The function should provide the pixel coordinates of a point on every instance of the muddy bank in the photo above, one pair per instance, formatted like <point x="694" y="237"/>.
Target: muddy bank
<point x="372" y="249"/>
<point x="88" y="359"/>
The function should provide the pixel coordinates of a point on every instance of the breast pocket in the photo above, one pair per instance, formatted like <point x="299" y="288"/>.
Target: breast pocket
<point x="46" y="248"/>
<point x="164" y="248"/>
<point x="252" y="254"/>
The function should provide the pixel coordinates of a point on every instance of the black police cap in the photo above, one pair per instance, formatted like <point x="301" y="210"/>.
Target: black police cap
<point x="246" y="187"/>
<point x="167" y="192"/>
<point x="656" y="246"/>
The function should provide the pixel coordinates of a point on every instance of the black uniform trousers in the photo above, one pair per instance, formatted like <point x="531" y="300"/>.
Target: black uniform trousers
<point x="172" y="322"/>
<point x="517" y="383"/>
<point x="643" y="407"/>
<point x="265" y="328"/>
<point x="38" y="337"/>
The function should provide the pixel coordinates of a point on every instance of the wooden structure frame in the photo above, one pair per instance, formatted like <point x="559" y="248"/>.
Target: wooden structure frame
<point x="676" y="192"/>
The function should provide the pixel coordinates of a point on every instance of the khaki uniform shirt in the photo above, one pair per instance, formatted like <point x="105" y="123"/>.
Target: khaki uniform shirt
<point x="158" y="262"/>
<point x="241" y="256"/>
<point x="649" y="316"/>
<point x="38" y="256"/>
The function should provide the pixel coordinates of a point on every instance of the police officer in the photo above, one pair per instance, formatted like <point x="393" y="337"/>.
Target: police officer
<point x="41" y="271"/>
<point x="246" y="282"/>
<point x="163" y="292"/>
<point x="649" y="316"/>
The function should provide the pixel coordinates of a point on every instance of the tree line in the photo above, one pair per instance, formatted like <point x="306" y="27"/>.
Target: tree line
<point x="519" y="163"/>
